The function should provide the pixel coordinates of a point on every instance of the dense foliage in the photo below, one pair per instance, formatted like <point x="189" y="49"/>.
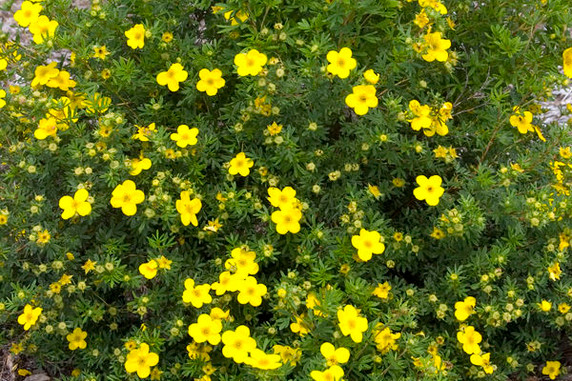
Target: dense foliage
<point x="274" y="189"/>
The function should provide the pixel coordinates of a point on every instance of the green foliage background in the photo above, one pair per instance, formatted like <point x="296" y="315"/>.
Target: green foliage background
<point x="506" y="53"/>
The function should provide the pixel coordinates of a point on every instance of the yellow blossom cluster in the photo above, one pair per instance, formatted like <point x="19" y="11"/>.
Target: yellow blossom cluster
<point x="41" y="27"/>
<point x="287" y="218"/>
<point x="431" y="120"/>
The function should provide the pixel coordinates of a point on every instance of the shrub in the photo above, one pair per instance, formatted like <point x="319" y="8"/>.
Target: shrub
<point x="273" y="190"/>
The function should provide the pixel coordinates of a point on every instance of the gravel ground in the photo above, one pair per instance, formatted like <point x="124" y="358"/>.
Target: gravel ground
<point x="557" y="106"/>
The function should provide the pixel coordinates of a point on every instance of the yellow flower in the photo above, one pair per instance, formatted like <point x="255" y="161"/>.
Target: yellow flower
<point x="551" y="369"/>
<point x="156" y="374"/>
<point x="242" y="262"/>
<point x="283" y="199"/>
<point x="16" y="348"/>
<point x="56" y="288"/>
<point x="287" y="220"/>
<point x="62" y="81"/>
<point x="240" y="164"/>
<point x="78" y="204"/>
<point x="188" y="208"/>
<point x="441" y="152"/>
<point x="172" y="77"/>
<point x="470" y="340"/>
<point x="367" y="243"/>
<point x="43" y="28"/>
<point x="126" y="197"/>
<point x="385" y="340"/>
<point x="238" y="344"/>
<point x="564" y="241"/>
<point x="312" y="302"/>
<point x="149" y="269"/>
<point x="212" y="225"/>
<point x="185" y="136"/>
<point x="164" y="263"/>
<point x="65" y="279"/>
<point x="242" y="16"/>
<point x="167" y="37"/>
<point x="274" y="128"/>
<point x="139" y="164"/>
<point x="436" y="47"/>
<point x="563" y="308"/>
<point x="141" y="360"/>
<point x="437" y="233"/>
<point x="554" y="271"/>
<point x="251" y="292"/>
<point x="483" y="360"/>
<point x="136" y="36"/>
<point x="259" y="359"/>
<point x="421" y="19"/>
<point x="24" y="372"/>
<point x="398" y="182"/>
<point x="210" y="81"/>
<point x="522" y="121"/>
<point x="288" y="354"/>
<point x="341" y="63"/>
<point x="435" y="4"/>
<point x="46" y="127"/>
<point x="220" y="314"/>
<point x="43" y="237"/>
<point x="333" y="355"/>
<point x="77" y="339"/>
<point x="565" y="153"/>
<point x="196" y="295"/>
<point x="567" y="62"/>
<point x="29" y="317"/>
<point x="143" y="132"/>
<point x="198" y="351"/>
<point x="88" y="266"/>
<point x="206" y="329"/>
<point x="429" y="190"/>
<point x="227" y="282"/>
<point x="374" y="190"/>
<point x="371" y="76"/>
<point x="545" y="305"/>
<point x="351" y="323"/>
<point x="362" y="99"/>
<point x="100" y="52"/>
<point x="422" y="115"/>
<point x="465" y="308"/>
<point x="28" y="13"/>
<point x="250" y="63"/>
<point x="333" y="373"/>
<point x="299" y="326"/>
<point x="382" y="290"/>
